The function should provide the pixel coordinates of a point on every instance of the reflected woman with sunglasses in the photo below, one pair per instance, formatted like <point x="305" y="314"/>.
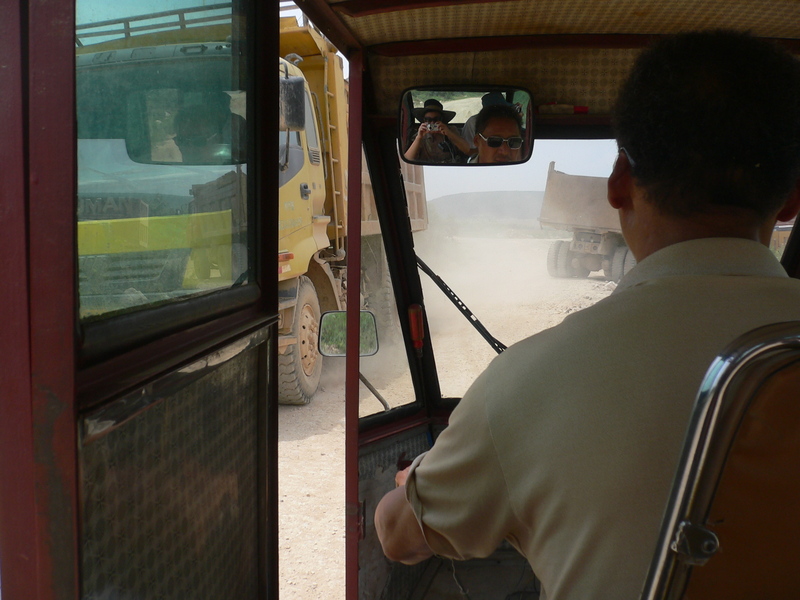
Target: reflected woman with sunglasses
<point x="499" y="135"/>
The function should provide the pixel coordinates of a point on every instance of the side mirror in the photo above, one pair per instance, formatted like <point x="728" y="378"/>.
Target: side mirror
<point x="333" y="334"/>
<point x="440" y="125"/>
<point x="292" y="104"/>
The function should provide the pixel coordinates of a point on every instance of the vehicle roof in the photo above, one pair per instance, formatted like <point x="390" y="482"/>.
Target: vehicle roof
<point x="565" y="51"/>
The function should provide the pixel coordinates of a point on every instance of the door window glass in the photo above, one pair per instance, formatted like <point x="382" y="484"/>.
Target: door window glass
<point x="311" y="133"/>
<point x="386" y="379"/>
<point x="162" y="154"/>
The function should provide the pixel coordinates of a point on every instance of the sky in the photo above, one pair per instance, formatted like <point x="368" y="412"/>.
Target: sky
<point x="87" y="11"/>
<point x="576" y="157"/>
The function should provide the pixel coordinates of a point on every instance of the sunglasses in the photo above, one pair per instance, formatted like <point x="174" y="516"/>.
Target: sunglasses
<point x="495" y="141"/>
<point x="432" y="119"/>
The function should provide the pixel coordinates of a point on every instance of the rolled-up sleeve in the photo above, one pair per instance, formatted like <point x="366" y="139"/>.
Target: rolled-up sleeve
<point x="457" y="489"/>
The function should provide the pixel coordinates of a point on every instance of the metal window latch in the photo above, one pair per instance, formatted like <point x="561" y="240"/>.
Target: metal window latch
<point x="694" y="543"/>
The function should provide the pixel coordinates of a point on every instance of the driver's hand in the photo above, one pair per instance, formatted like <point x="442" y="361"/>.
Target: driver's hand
<point x="401" y="476"/>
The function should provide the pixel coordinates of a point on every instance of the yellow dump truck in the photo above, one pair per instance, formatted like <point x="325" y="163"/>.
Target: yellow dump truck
<point x="162" y="177"/>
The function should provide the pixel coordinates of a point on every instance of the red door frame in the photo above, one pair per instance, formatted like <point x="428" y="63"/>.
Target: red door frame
<point x="39" y="555"/>
<point x="38" y="497"/>
<point x="353" y="513"/>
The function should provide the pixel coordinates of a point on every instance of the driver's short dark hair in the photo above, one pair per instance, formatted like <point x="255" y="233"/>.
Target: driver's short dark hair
<point x="497" y="111"/>
<point x="712" y="119"/>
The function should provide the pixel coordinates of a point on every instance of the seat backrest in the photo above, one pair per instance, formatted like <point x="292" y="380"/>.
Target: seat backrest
<point x="732" y="525"/>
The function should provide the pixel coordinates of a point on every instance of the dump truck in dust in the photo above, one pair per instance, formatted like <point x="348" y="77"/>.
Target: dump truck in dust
<point x="579" y="205"/>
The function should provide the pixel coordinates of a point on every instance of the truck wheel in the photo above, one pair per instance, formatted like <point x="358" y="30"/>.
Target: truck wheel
<point x="564" y="265"/>
<point x="618" y="263"/>
<point x="300" y="369"/>
<point x="630" y="262"/>
<point x="552" y="258"/>
<point x="377" y="286"/>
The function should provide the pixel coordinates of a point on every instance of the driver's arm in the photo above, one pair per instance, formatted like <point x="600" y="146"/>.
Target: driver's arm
<point x="399" y="531"/>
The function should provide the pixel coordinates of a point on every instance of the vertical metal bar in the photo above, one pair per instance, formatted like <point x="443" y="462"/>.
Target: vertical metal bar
<point x="18" y="551"/>
<point x="52" y="294"/>
<point x="353" y="512"/>
<point x="261" y="18"/>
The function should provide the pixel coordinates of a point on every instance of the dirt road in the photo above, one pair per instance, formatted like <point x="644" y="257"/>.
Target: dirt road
<point x="517" y="299"/>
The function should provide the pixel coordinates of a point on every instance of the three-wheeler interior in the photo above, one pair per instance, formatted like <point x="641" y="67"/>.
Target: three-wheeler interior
<point x="488" y="269"/>
<point x="139" y="423"/>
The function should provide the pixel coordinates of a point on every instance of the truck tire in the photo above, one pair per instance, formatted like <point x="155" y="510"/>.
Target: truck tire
<point x="383" y="305"/>
<point x="300" y="368"/>
<point x="618" y="263"/>
<point x="552" y="258"/>
<point x="378" y="286"/>
<point x="630" y="262"/>
<point x="564" y="265"/>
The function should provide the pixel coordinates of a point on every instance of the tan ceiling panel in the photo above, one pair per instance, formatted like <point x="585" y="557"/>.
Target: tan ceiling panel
<point x="774" y="19"/>
<point x="584" y="77"/>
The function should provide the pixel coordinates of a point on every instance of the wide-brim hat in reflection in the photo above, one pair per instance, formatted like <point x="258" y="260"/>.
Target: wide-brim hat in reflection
<point x="433" y="105"/>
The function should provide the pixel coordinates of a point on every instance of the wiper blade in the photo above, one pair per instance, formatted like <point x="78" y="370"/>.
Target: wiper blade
<point x="493" y="342"/>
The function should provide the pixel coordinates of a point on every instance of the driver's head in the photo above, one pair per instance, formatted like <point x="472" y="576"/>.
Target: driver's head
<point x="199" y="130"/>
<point x="498" y="136"/>
<point x="712" y="120"/>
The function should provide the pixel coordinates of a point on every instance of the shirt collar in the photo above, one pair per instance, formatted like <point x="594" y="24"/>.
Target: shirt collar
<point x="706" y="256"/>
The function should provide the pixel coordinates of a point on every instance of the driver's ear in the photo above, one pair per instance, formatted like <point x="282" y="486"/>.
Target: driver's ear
<point x="620" y="182"/>
<point x="792" y="205"/>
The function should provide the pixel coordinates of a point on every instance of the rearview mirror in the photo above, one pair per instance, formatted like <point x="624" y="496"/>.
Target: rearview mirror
<point x="333" y="334"/>
<point x="467" y="125"/>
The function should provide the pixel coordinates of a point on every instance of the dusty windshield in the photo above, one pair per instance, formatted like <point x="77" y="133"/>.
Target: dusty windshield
<point x="519" y="263"/>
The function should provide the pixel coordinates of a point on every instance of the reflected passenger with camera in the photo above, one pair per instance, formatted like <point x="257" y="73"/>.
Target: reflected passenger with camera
<point x="435" y="141"/>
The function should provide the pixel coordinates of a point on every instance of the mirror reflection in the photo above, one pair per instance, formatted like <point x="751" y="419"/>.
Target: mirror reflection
<point x="333" y="333"/>
<point x="489" y="125"/>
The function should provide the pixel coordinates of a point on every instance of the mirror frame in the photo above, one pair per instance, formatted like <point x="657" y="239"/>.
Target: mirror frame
<point x="405" y="119"/>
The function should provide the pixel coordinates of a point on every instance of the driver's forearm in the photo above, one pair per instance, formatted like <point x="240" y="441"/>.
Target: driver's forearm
<point x="398" y="530"/>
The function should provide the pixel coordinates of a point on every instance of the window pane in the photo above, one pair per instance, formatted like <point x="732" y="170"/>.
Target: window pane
<point x="387" y="371"/>
<point x="162" y="165"/>
<point x="491" y="240"/>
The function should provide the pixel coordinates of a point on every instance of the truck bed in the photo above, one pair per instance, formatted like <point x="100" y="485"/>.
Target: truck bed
<point x="577" y="202"/>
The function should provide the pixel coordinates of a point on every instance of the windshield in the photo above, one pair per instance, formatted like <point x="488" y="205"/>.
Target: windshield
<point x="519" y="272"/>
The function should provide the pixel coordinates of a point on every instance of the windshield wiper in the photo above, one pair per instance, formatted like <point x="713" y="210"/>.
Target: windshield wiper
<point x="493" y="342"/>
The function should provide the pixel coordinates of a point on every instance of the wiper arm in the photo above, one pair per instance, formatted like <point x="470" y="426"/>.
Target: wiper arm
<point x="493" y="342"/>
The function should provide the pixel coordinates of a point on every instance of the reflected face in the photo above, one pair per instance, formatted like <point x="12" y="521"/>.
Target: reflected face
<point x="504" y="128"/>
<point x="197" y="132"/>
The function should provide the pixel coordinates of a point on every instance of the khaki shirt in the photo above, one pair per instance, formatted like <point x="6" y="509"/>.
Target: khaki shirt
<point x="567" y="444"/>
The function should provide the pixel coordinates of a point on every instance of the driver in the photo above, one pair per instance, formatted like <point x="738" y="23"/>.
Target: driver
<point x="204" y="133"/>
<point x="499" y="135"/>
<point x="435" y="141"/>
<point x="566" y="446"/>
